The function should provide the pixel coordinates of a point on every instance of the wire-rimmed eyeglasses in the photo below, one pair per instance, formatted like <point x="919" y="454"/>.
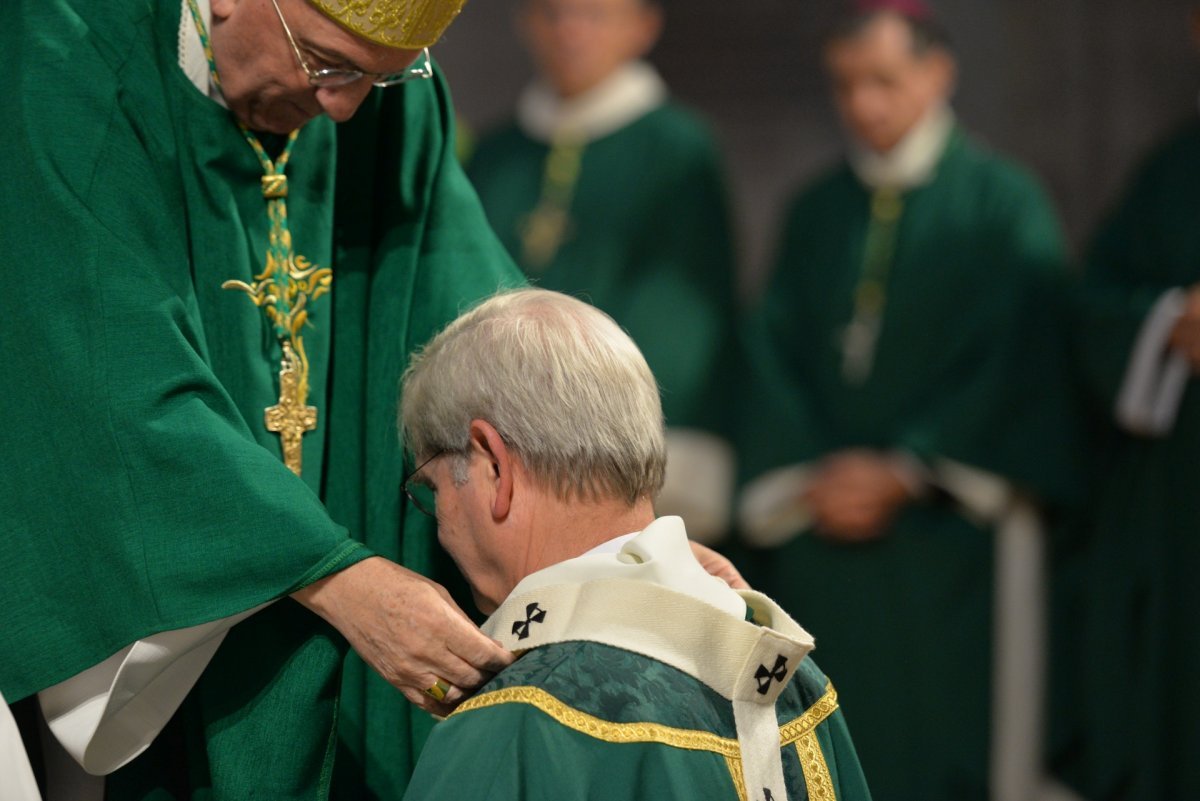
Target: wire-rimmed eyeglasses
<point x="421" y="494"/>
<point x="338" y="76"/>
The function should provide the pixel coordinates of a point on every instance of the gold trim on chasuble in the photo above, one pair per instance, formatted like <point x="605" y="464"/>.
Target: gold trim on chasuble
<point x="802" y="731"/>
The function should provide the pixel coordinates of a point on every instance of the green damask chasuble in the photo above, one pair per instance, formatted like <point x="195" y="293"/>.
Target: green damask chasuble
<point x="1141" y="595"/>
<point x="639" y="676"/>
<point x="144" y="492"/>
<point x="964" y="365"/>
<point x="643" y="233"/>
<point x="587" y="720"/>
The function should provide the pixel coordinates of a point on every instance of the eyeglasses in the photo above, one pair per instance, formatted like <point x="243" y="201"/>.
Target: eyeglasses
<point x="336" y="76"/>
<point x="421" y="495"/>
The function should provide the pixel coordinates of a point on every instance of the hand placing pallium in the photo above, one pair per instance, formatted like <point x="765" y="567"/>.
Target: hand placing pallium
<point x="409" y="630"/>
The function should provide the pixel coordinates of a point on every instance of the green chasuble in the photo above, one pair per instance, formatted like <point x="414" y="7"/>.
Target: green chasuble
<point x="966" y="370"/>
<point x="142" y="492"/>
<point x="583" y="720"/>
<point x="637" y="680"/>
<point x="645" y="237"/>
<point x="1141" y="648"/>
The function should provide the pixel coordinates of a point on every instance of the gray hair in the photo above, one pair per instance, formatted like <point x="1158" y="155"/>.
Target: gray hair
<point x="564" y="386"/>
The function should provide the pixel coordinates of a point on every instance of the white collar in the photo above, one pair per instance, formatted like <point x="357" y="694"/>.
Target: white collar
<point x="612" y="546"/>
<point x="628" y="94"/>
<point x="192" y="59"/>
<point x="659" y="554"/>
<point x="913" y="161"/>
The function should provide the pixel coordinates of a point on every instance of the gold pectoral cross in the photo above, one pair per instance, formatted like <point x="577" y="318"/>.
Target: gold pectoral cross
<point x="291" y="418"/>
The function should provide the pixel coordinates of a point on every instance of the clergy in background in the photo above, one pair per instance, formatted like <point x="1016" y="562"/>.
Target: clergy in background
<point x="902" y="410"/>
<point x="605" y="188"/>
<point x="540" y="434"/>
<point x="209" y="292"/>
<point x="1139" y="340"/>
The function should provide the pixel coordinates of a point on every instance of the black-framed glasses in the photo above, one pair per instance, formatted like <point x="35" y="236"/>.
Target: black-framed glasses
<point x="421" y="495"/>
<point x="337" y="76"/>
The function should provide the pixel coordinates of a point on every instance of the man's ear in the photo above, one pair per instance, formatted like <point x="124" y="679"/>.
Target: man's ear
<point x="649" y="29"/>
<point x="487" y="443"/>
<point x="944" y="69"/>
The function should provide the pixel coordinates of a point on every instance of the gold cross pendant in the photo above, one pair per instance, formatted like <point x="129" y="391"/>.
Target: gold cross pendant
<point x="291" y="418"/>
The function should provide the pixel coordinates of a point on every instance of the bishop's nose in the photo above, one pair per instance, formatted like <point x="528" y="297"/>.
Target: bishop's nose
<point x="340" y="102"/>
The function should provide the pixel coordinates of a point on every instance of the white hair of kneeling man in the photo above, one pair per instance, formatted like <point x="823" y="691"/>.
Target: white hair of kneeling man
<point x="567" y="389"/>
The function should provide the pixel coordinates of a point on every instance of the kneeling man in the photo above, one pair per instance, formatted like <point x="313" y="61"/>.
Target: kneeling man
<point x="540" y="431"/>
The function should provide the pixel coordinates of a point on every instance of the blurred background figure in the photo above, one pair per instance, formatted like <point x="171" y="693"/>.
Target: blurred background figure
<point x="604" y="188"/>
<point x="905" y="404"/>
<point x="1078" y="91"/>
<point x="1140" y="344"/>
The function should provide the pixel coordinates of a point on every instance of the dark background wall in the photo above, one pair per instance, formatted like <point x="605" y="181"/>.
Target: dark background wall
<point x="1077" y="89"/>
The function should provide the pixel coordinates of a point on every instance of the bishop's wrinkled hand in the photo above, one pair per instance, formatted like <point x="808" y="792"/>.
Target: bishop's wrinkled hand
<point x="408" y="629"/>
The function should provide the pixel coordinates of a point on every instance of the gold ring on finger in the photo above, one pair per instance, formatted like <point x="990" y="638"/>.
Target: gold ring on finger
<point x="438" y="691"/>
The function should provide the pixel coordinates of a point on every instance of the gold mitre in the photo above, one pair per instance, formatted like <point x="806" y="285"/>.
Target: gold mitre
<point x="403" y="24"/>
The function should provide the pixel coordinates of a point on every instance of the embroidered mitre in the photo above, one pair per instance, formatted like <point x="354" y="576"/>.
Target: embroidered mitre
<point x="403" y="24"/>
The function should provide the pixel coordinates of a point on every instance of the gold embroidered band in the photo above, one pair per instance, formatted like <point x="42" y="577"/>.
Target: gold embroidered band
<point x="403" y="24"/>
<point x="802" y="731"/>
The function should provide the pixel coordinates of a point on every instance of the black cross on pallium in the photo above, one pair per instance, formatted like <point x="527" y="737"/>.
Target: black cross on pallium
<point x="767" y="794"/>
<point x="764" y="676"/>
<point x="533" y="614"/>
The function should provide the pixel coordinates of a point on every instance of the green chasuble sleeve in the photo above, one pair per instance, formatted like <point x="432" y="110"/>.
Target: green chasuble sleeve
<point x="1142" y="249"/>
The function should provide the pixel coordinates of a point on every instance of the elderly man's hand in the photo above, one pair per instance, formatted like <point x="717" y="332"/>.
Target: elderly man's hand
<point x="408" y="629"/>
<point x="856" y="494"/>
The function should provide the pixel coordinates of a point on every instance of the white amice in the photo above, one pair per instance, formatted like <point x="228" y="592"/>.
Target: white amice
<point x="628" y="94"/>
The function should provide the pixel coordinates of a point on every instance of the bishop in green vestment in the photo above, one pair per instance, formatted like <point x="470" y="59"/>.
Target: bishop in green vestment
<point x="901" y="407"/>
<point x="604" y="188"/>
<point x="640" y="676"/>
<point x="146" y="491"/>
<point x="1137" y="338"/>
